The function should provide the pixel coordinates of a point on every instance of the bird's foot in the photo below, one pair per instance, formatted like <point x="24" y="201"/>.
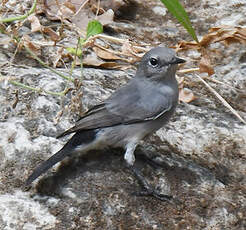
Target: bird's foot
<point x="148" y="190"/>
<point x="154" y="193"/>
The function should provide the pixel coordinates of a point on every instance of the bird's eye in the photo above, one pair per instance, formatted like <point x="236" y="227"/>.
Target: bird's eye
<point x="153" y="62"/>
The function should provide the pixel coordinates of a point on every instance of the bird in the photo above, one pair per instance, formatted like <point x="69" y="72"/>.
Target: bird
<point x="132" y="112"/>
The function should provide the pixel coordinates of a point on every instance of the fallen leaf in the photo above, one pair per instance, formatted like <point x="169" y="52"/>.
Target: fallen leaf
<point x="33" y="47"/>
<point x="93" y="60"/>
<point x="60" y="9"/>
<point x="70" y="6"/>
<point x="186" y="95"/>
<point x="106" y="18"/>
<point x="226" y="34"/>
<point x="105" y="54"/>
<point x="205" y="63"/>
<point x="113" y="65"/>
<point x="51" y="33"/>
<point x="61" y="57"/>
<point x="35" y="24"/>
<point x="129" y="50"/>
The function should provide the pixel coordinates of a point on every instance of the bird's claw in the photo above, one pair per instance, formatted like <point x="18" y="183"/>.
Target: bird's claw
<point x="148" y="190"/>
<point x="155" y="194"/>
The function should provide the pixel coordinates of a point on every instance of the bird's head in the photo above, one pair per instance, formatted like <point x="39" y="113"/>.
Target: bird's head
<point x="158" y="63"/>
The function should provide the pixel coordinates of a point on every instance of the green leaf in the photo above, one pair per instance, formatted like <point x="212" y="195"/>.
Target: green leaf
<point x="82" y="41"/>
<point x="77" y="52"/>
<point x="177" y="10"/>
<point x="94" y="27"/>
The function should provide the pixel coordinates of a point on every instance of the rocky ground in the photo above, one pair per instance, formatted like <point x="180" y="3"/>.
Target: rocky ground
<point x="201" y="153"/>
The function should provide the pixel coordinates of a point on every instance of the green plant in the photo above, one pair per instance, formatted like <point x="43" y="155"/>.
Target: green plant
<point x="177" y="10"/>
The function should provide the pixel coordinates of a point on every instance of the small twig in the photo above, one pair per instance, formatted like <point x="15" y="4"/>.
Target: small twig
<point x="222" y="83"/>
<point x="119" y="40"/>
<point x="22" y="17"/>
<point x="98" y="8"/>
<point x="81" y="7"/>
<point x="38" y="90"/>
<point x="191" y="70"/>
<point x="45" y="65"/>
<point x="224" y="102"/>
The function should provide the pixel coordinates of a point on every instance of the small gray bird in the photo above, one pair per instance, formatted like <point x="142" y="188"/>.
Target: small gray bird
<point x="132" y="112"/>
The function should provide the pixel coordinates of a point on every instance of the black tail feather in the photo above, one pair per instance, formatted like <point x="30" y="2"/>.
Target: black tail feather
<point x="79" y="139"/>
<point x="43" y="167"/>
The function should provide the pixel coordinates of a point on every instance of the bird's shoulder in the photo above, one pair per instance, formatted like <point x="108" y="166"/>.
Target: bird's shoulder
<point x="140" y="100"/>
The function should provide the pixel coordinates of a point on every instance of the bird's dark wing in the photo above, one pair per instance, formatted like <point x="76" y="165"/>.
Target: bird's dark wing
<point x="126" y="106"/>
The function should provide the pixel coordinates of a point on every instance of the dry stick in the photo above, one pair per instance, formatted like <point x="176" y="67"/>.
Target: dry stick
<point x="224" y="102"/>
<point x="191" y="70"/>
<point x="222" y="83"/>
<point x="98" y="8"/>
<point x="80" y="8"/>
<point x="121" y="41"/>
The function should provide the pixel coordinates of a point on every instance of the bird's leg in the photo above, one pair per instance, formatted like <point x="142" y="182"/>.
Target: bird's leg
<point x="150" y="161"/>
<point x="129" y="154"/>
<point x="148" y="189"/>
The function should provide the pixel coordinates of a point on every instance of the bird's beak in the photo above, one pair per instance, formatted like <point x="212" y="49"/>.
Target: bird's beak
<point x="178" y="60"/>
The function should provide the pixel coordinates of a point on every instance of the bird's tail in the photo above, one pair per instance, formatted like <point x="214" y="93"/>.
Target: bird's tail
<point x="44" y="166"/>
<point x="78" y="141"/>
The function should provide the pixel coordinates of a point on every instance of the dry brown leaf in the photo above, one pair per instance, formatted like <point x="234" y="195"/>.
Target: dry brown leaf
<point x="60" y="9"/>
<point x="93" y="60"/>
<point x="97" y="9"/>
<point x="129" y="50"/>
<point x="26" y="41"/>
<point x="184" y="45"/>
<point x="70" y="6"/>
<point x="205" y="66"/>
<point x="186" y="95"/>
<point x="35" y="24"/>
<point x="53" y="35"/>
<point x="77" y="11"/>
<point x="82" y="19"/>
<point x="61" y="57"/>
<point x="226" y="34"/>
<point x="105" y="54"/>
<point x="114" y="65"/>
<point x="205" y="63"/>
